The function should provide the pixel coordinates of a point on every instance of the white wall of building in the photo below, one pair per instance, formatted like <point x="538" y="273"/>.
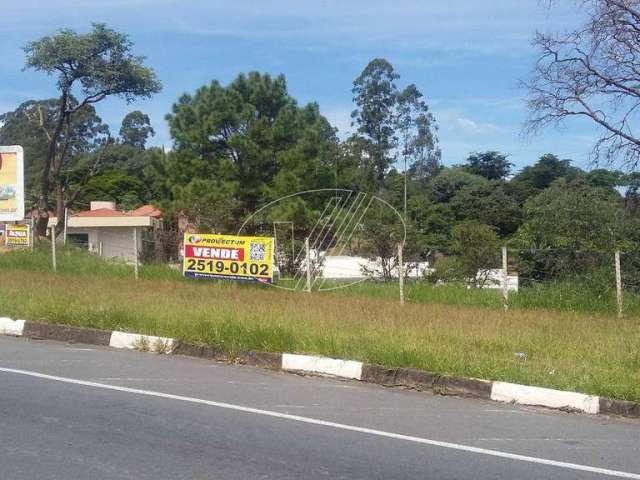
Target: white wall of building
<point x="112" y="242"/>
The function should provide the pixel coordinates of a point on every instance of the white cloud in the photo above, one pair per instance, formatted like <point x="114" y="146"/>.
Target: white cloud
<point x="477" y="128"/>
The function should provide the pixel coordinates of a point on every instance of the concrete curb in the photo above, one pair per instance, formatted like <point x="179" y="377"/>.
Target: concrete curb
<point x="338" y="368"/>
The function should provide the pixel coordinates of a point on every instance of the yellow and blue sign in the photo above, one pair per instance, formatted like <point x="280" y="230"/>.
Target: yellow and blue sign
<point x="230" y="257"/>
<point x="17" y="236"/>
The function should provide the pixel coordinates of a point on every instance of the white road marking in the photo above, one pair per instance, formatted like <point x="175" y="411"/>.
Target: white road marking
<point x="339" y="426"/>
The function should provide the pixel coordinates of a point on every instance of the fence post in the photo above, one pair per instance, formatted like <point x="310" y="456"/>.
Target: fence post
<point x="33" y="224"/>
<point x="100" y="248"/>
<point x="135" y="252"/>
<point x="308" y="260"/>
<point x="505" y="287"/>
<point x="53" y="249"/>
<point x="401" y="274"/>
<point x="66" y="219"/>
<point x="619" y="298"/>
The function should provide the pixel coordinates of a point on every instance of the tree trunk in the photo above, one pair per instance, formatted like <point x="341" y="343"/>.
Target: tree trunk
<point x="45" y="185"/>
<point x="60" y="208"/>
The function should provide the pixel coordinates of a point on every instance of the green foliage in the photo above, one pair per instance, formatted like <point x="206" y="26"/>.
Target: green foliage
<point x="490" y="203"/>
<point x="571" y="230"/>
<point x="450" y="181"/>
<point x="89" y="68"/>
<point x="392" y="124"/>
<point x="30" y="124"/>
<point x="477" y="247"/>
<point x="246" y="143"/>
<point x="375" y="95"/>
<point x="136" y="129"/>
<point x="491" y="165"/>
<point x="535" y="178"/>
<point x="447" y="270"/>
<point x="100" y="61"/>
<point x="127" y="191"/>
<point x="572" y="215"/>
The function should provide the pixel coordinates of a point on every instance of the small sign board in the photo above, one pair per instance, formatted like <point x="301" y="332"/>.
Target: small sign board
<point x="17" y="236"/>
<point x="11" y="184"/>
<point x="228" y="257"/>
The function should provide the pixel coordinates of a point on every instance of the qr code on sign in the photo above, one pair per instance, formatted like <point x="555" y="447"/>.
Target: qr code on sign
<point x="256" y="251"/>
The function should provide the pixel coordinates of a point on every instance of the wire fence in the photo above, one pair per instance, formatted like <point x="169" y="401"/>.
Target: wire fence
<point x="595" y="280"/>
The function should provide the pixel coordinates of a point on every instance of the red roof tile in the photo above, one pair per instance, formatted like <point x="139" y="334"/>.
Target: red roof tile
<point x="144" y="211"/>
<point x="147" y="211"/>
<point x="101" y="212"/>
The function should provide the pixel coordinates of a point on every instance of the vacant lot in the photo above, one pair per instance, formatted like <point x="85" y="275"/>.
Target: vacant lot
<point x="585" y="352"/>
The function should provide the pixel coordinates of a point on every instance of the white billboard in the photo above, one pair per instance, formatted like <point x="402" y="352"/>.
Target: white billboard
<point x="11" y="184"/>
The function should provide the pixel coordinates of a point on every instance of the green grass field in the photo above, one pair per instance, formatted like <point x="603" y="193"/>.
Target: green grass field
<point x="450" y="330"/>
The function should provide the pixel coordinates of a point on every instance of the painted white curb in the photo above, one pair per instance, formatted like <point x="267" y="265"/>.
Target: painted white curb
<point x="323" y="365"/>
<point x="546" y="397"/>
<point x="140" y="342"/>
<point x="11" y="327"/>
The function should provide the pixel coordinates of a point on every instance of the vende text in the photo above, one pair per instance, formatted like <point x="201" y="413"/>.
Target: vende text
<point x="216" y="253"/>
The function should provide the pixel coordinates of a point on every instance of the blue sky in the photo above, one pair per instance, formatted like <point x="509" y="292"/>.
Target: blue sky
<point x="466" y="56"/>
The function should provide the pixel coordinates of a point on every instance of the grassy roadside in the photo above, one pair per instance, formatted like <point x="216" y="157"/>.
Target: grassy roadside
<point x="589" y="353"/>
<point x="561" y="296"/>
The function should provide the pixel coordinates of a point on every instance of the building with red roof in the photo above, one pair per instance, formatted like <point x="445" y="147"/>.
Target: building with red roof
<point x="110" y="232"/>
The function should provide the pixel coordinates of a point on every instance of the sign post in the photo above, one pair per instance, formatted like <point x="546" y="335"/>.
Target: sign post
<point x="228" y="257"/>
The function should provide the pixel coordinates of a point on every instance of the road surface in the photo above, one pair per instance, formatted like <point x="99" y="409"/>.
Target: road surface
<point x="76" y="412"/>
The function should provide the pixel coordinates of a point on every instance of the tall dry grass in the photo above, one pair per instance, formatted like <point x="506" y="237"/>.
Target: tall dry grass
<point x="583" y="352"/>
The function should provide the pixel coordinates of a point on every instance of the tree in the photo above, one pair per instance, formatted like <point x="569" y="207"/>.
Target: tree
<point x="572" y="215"/>
<point x="392" y="124"/>
<point x="602" y="177"/>
<point x="136" y="129"/>
<point x="115" y="185"/>
<point x="248" y="140"/>
<point x="19" y="127"/>
<point x="476" y="250"/>
<point x="450" y="181"/>
<point x="592" y="72"/>
<point x="533" y="179"/>
<point x="81" y="146"/>
<point x="491" y="165"/>
<point x="490" y="203"/>
<point x="92" y="66"/>
<point x="416" y="127"/>
<point x="375" y="95"/>
<point x="571" y="229"/>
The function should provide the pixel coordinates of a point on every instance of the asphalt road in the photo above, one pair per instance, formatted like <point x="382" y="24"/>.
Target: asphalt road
<point x="76" y="412"/>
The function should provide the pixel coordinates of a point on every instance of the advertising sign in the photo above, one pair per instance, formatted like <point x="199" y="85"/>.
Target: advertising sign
<point x="229" y="257"/>
<point x="17" y="235"/>
<point x="11" y="184"/>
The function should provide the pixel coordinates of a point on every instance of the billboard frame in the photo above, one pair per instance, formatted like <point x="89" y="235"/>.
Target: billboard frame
<point x="19" y="213"/>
